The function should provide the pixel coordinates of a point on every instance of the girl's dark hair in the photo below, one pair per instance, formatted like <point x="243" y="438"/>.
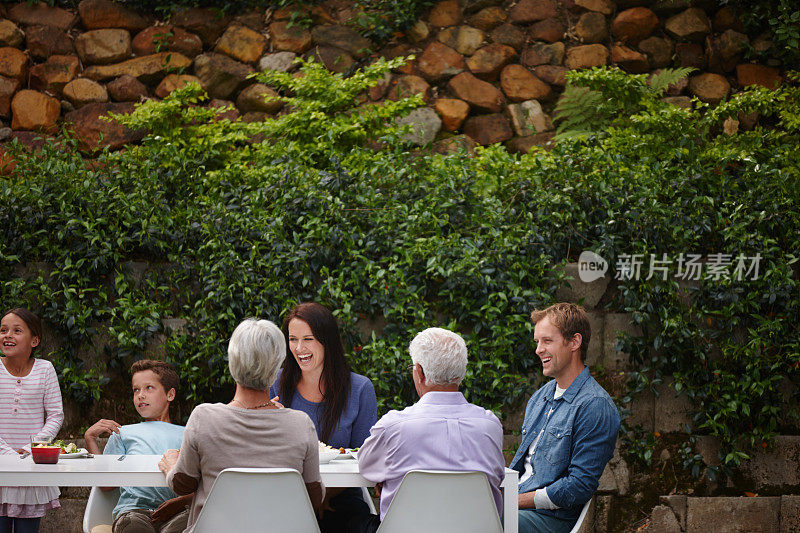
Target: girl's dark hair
<point x="31" y="320"/>
<point x="335" y="368"/>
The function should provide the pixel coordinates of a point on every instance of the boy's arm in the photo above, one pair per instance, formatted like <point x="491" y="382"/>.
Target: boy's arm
<point x="99" y="428"/>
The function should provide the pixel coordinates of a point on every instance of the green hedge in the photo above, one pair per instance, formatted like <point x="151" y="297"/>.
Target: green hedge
<point x="247" y="219"/>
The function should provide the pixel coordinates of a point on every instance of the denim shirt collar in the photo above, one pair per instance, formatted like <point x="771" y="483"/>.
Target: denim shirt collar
<point x="572" y="390"/>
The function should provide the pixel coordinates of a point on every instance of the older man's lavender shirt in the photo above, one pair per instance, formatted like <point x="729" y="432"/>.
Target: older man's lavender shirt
<point x="442" y="431"/>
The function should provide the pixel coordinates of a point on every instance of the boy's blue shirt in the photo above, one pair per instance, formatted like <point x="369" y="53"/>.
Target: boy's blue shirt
<point x="144" y="438"/>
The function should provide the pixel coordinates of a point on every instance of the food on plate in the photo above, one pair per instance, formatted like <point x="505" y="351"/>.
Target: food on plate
<point x="325" y="448"/>
<point x="67" y="448"/>
<point x="327" y="453"/>
<point x="61" y="445"/>
<point x="64" y="447"/>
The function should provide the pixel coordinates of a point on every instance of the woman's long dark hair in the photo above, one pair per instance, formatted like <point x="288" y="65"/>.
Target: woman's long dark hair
<point x="335" y="368"/>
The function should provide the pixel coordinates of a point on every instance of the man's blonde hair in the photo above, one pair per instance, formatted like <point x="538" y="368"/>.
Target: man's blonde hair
<point x="569" y="319"/>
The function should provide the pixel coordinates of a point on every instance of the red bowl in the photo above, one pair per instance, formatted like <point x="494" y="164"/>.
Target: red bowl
<point x="45" y="455"/>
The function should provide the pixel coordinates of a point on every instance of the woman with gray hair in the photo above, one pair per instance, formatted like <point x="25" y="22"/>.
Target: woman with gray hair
<point x="250" y="431"/>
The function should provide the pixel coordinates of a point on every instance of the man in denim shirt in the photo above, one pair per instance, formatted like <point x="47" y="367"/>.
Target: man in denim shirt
<point x="570" y="426"/>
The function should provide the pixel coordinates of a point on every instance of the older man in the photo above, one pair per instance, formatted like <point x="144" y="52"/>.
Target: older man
<point x="442" y="431"/>
<point x="570" y="426"/>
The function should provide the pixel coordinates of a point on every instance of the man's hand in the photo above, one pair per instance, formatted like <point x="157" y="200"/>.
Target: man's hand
<point x="170" y="508"/>
<point x="168" y="461"/>
<point x="378" y="489"/>
<point x="101" y="427"/>
<point x="276" y="403"/>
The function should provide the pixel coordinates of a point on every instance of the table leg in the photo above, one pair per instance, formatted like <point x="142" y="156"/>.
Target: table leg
<point x="510" y="502"/>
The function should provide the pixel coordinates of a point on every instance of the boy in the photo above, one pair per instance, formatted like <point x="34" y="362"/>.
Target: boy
<point x="154" y="386"/>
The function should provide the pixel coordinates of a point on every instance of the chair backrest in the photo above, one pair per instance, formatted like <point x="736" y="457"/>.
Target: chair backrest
<point x="440" y="501"/>
<point x="582" y="518"/>
<point x="99" y="509"/>
<point x="257" y="499"/>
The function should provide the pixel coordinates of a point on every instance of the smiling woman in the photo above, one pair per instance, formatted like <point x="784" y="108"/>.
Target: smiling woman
<point x="309" y="354"/>
<point x="317" y="380"/>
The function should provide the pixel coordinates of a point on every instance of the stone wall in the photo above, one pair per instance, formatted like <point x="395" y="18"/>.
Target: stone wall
<point x="677" y="514"/>
<point x="490" y="71"/>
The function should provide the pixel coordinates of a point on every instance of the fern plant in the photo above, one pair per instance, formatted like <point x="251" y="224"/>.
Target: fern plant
<point x="325" y="109"/>
<point x="600" y="97"/>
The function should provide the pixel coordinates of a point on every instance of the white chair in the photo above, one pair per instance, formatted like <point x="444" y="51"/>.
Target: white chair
<point x="582" y="518"/>
<point x="435" y="501"/>
<point x="257" y="499"/>
<point x="97" y="518"/>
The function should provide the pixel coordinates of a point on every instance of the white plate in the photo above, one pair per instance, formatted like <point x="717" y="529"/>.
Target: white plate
<point x="326" y="456"/>
<point x="82" y="452"/>
<point x="346" y="455"/>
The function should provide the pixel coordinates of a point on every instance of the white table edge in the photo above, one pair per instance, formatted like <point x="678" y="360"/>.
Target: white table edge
<point x="138" y="470"/>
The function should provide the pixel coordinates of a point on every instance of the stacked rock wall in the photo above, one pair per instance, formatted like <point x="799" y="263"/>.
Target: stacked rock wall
<point x="489" y="70"/>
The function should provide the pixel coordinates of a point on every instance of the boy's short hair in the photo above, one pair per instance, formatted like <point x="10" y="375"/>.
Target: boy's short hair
<point x="166" y="373"/>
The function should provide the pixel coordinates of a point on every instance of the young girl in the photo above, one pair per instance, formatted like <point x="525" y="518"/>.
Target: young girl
<point x="30" y="406"/>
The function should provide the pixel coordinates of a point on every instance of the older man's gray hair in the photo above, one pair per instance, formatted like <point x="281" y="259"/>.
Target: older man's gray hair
<point x="442" y="354"/>
<point x="255" y="353"/>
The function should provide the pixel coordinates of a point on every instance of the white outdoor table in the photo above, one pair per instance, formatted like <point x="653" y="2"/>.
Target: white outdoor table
<point x="142" y="470"/>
